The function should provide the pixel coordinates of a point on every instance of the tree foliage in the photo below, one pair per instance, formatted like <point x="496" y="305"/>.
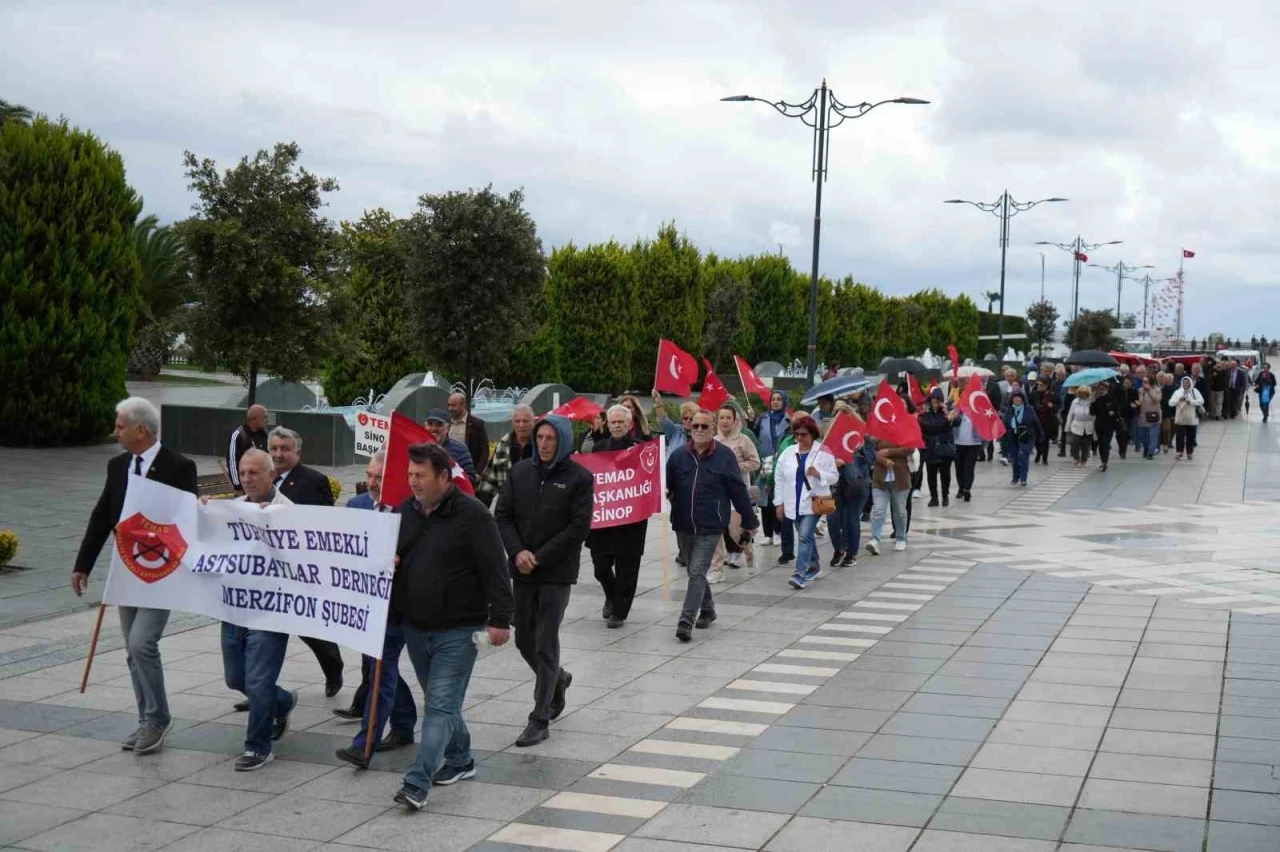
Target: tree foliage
<point x="1042" y="319"/>
<point x="728" y="329"/>
<point x="14" y="113"/>
<point x="164" y="290"/>
<point x="589" y="295"/>
<point x="1092" y="330"/>
<point x="474" y="269"/>
<point x="992" y="296"/>
<point x="68" y="283"/>
<point x="262" y="257"/>
<point x="668" y="299"/>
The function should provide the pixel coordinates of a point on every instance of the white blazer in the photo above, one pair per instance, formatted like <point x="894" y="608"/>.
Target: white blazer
<point x="785" y="473"/>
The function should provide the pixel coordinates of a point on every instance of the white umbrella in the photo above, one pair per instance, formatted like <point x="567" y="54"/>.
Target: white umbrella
<point x="969" y="370"/>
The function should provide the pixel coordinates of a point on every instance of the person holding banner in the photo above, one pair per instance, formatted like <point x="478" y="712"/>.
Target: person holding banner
<point x="802" y="475"/>
<point x="616" y="551"/>
<point x="544" y="515"/>
<point x="137" y="431"/>
<point x="703" y="482"/>
<point x="451" y="581"/>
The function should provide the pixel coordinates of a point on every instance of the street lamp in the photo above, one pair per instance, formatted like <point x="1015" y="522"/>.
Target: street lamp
<point x="1120" y="270"/>
<point x="1004" y="208"/>
<point x="1078" y="249"/>
<point x="821" y="111"/>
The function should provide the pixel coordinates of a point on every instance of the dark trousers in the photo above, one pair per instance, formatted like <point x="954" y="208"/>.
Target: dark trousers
<point x="329" y="657"/>
<point x="1105" y="433"/>
<point x="1186" y="438"/>
<point x="966" y="462"/>
<point x="934" y="470"/>
<point x="617" y="574"/>
<point x="990" y="449"/>
<point x="538" y="612"/>
<point x="845" y="525"/>
<point x="1062" y="435"/>
<point x="395" y="700"/>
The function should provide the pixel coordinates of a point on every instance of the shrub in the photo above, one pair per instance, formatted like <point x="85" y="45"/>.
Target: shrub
<point x="8" y="547"/>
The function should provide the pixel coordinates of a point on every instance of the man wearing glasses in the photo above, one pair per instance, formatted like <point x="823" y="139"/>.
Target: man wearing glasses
<point x="703" y="479"/>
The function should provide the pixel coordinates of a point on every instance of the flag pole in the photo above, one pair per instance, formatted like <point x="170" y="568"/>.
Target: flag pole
<point x="373" y="710"/>
<point x="93" y="647"/>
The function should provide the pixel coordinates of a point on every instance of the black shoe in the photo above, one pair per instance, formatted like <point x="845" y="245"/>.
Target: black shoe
<point x="350" y="714"/>
<point x="680" y="560"/>
<point x="394" y="740"/>
<point x="946" y="501"/>
<point x="414" y="798"/>
<point x="849" y="561"/>
<point x="616" y="621"/>
<point x="557" y="699"/>
<point x="933" y="502"/>
<point x="783" y="560"/>
<point x="1062" y="454"/>
<point x="607" y="612"/>
<point x="352" y="755"/>
<point x="282" y="722"/>
<point x="249" y="761"/>
<point x="332" y="686"/>
<point x="532" y="735"/>
<point x="241" y="707"/>
<point x="967" y="495"/>
<point x="704" y="620"/>
<point x="453" y="774"/>
<point x="684" y="632"/>
<point x="836" y="559"/>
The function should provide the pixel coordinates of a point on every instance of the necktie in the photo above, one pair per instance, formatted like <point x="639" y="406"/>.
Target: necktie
<point x="137" y="465"/>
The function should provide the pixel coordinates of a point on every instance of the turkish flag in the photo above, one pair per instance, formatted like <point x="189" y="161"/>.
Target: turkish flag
<point x="751" y="383"/>
<point x="845" y="436"/>
<point x="677" y="370"/>
<point x="1186" y="253"/>
<point x="913" y="388"/>
<point x="579" y="408"/>
<point x="714" y="394"/>
<point x="1082" y="257"/>
<point x="975" y="403"/>
<point x="890" y="420"/>
<point x="955" y="363"/>
<point x="395" y="473"/>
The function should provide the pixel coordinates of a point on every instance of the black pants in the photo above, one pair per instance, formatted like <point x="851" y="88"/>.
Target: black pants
<point x="539" y="609"/>
<point x="990" y="449"/>
<point x="617" y="574"/>
<point x="933" y="469"/>
<point x="1105" y="434"/>
<point x="966" y="462"/>
<point x="1062" y="436"/>
<point x="770" y="526"/>
<point x="1266" y="410"/>
<point x="1042" y="448"/>
<point x="1186" y="438"/>
<point x="329" y="657"/>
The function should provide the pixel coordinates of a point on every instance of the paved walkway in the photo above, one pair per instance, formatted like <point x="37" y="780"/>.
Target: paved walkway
<point x="1032" y="674"/>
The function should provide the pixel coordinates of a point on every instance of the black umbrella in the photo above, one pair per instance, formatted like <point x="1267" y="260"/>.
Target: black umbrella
<point x="894" y="366"/>
<point x="1091" y="358"/>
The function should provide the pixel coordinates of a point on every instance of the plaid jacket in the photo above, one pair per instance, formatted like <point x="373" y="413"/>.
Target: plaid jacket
<point x="504" y="458"/>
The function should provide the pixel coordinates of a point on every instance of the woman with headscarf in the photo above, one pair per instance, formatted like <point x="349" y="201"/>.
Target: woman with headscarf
<point x="1107" y="412"/>
<point x="729" y="432"/>
<point x="1022" y="431"/>
<point x="939" y="445"/>
<point x="616" y="551"/>
<point x="773" y="427"/>
<point x="1080" y="425"/>
<point x="1187" y="403"/>
<point x="801" y="472"/>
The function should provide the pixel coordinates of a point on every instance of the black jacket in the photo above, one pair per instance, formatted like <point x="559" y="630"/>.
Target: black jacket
<point x="1107" y="410"/>
<point x="307" y="487"/>
<point x="625" y="538"/>
<point x="168" y="468"/>
<point x="936" y="429"/>
<point x="452" y="570"/>
<point x="242" y="440"/>
<point x="702" y="488"/>
<point x="546" y="509"/>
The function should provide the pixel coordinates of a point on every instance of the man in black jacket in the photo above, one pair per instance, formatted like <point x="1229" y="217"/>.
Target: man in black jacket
<point x="252" y="434"/>
<point x="137" y="431"/>
<point x="306" y="487"/>
<point x="544" y="515"/>
<point x="450" y="582"/>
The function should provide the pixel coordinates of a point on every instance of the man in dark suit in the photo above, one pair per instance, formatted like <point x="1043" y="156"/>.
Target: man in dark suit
<point x="305" y="487"/>
<point x="137" y="431"/>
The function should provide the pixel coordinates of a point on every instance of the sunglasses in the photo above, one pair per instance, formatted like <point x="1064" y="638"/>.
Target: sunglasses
<point x="701" y="427"/>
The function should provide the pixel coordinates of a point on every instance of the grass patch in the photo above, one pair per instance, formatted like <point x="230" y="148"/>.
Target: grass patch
<point x="189" y="380"/>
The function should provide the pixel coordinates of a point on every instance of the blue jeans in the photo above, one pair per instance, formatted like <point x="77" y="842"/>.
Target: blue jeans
<point x="251" y="662"/>
<point x="885" y="500"/>
<point x="395" y="699"/>
<point x="807" y="545"/>
<point x="142" y="628"/>
<point x="845" y="526"/>
<point x="1020" y="456"/>
<point x="1151" y="438"/>
<point x="443" y="660"/>
<point x="697" y="598"/>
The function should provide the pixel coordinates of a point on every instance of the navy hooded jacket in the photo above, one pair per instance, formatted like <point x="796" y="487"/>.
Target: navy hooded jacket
<point x="701" y="489"/>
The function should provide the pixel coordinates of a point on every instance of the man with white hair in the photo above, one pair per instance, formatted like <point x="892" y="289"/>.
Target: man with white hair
<point x="137" y="431"/>
<point x="515" y="446"/>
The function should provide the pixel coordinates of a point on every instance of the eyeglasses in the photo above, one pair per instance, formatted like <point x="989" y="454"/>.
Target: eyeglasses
<point x="701" y="427"/>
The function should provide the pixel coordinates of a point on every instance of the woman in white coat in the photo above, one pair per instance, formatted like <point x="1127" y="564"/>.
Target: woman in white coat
<point x="803" y="471"/>
<point x="1186" y="403"/>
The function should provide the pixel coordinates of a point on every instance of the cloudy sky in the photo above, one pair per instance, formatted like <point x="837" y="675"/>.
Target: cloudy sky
<point x="1161" y="127"/>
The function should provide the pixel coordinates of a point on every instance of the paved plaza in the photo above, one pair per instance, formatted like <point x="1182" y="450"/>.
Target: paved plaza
<point x="1091" y="663"/>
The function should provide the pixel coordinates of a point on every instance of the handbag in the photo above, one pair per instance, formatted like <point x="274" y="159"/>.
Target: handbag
<point x="944" y="448"/>
<point x="1151" y="417"/>
<point x="823" y="505"/>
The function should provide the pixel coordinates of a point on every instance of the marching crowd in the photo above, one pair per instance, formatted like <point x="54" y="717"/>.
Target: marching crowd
<point x="466" y="575"/>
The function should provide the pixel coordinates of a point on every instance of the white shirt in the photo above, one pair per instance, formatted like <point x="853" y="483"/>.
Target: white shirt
<point x="147" y="458"/>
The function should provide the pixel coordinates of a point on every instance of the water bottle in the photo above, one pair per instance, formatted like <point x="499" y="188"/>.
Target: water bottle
<point x="482" y="640"/>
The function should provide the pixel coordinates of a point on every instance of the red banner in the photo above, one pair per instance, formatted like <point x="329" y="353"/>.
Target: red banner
<point x="628" y="484"/>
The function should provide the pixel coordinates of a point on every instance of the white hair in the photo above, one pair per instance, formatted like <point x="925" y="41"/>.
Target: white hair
<point x="262" y="457"/>
<point x="287" y="435"/>
<point x="140" y="412"/>
<point x="380" y="456"/>
<point x="619" y="409"/>
<point x="525" y="407"/>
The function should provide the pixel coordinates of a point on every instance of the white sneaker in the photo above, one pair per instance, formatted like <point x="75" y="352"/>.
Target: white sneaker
<point x="767" y="541"/>
<point x="822" y="527"/>
<point x="715" y="575"/>
<point x="1004" y="461"/>
<point x="734" y="560"/>
<point x="873" y="546"/>
<point x="899" y="546"/>
<point x="915" y="494"/>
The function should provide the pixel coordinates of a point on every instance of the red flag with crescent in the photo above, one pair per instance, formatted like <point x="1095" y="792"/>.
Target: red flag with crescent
<point x="578" y="408"/>
<point x="977" y="406"/>
<point x="913" y="388"/>
<point x="395" y="472"/>
<point x="677" y="370"/>
<point x="889" y="420"/>
<point x="751" y="383"/>
<point x="845" y="436"/>
<point x="714" y="393"/>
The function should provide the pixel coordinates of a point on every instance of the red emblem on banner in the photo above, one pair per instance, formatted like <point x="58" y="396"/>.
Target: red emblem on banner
<point x="149" y="550"/>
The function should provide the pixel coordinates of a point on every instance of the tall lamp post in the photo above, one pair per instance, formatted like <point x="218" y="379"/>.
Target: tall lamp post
<point x="1078" y="249"/>
<point x="1121" y="270"/>
<point x="1004" y="208"/>
<point x="822" y="111"/>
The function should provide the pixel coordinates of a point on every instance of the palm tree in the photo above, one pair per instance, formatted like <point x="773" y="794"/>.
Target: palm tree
<point x="164" y="288"/>
<point x="13" y="112"/>
<point x="992" y="296"/>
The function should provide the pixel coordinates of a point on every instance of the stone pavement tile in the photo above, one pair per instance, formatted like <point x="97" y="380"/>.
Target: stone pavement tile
<point x="109" y="833"/>
<point x="783" y="765"/>
<point x="1067" y="693"/>
<point x="89" y="791"/>
<point x="1027" y="787"/>
<point x="279" y="776"/>
<point x="303" y="817"/>
<point x="1124" y="634"/>
<point x="994" y="671"/>
<point x="1136" y="831"/>
<point x="893" y="648"/>
<point x="1232" y="726"/>
<point x="895" y="664"/>
<point x="168" y="764"/>
<point x="811" y="740"/>
<point x="754" y="794"/>
<point x="1238" y="806"/>
<point x="804" y="834"/>
<point x="617" y="723"/>
<point x="225" y="840"/>
<point x="857" y="697"/>
<point x="30" y="716"/>
<point x="1191" y="668"/>
<point x="57" y="751"/>
<point x="579" y="746"/>
<point x="1042" y="759"/>
<point x="581" y="821"/>
<point x="9" y="736"/>
<point x="1152" y="769"/>
<point x="20" y="774"/>
<point x="1096" y="646"/>
<point x="861" y="804"/>
<point x="950" y="841"/>
<point x="866" y="679"/>
<point x="1163" y="699"/>
<point x="1007" y="819"/>
<point x="1170" y="721"/>
<point x="694" y="823"/>
<point x="1238" y="837"/>
<point x="1056" y="713"/>
<point x="643" y="701"/>
<point x="32" y="687"/>
<point x="190" y="804"/>
<point x="99" y="697"/>
<point x="1201" y="684"/>
<point x="625" y="789"/>
<point x="1257" y="708"/>
<point x="1158" y="743"/>
<point x="919" y="749"/>
<point x="114" y="727"/>
<point x="1178" y="636"/>
<point x="1003" y="656"/>
<point x="957" y="705"/>
<point x="1018" y="732"/>
<point x="1250" y="777"/>
<point x="631" y="844"/>
<point x="897" y="775"/>
<point x="1144" y="798"/>
<point x="18" y="821"/>
<point x="1251" y="688"/>
<point x="944" y="727"/>
<point x="1091" y="662"/>
<point x="532" y="770"/>
<point x="403" y="830"/>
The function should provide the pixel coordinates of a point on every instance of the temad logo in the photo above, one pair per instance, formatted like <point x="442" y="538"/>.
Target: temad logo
<point x="151" y="551"/>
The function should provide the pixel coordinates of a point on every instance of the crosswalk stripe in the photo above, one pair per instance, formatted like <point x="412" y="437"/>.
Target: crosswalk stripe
<point x="717" y="726"/>
<point x="873" y="616"/>
<point x="847" y="641"/>
<point x="746" y="705"/>
<point x="887" y="605"/>
<point x="772" y="686"/>
<point x="804" y="671"/>
<point x="876" y="629"/>
<point x="675" y="749"/>
<point x="814" y="654"/>
<point x="549" y="837"/>
<point x="612" y="805"/>
<point x="919" y="587"/>
<point x="647" y="775"/>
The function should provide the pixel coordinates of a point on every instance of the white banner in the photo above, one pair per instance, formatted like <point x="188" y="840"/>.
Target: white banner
<point x="372" y="431"/>
<point x="305" y="570"/>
